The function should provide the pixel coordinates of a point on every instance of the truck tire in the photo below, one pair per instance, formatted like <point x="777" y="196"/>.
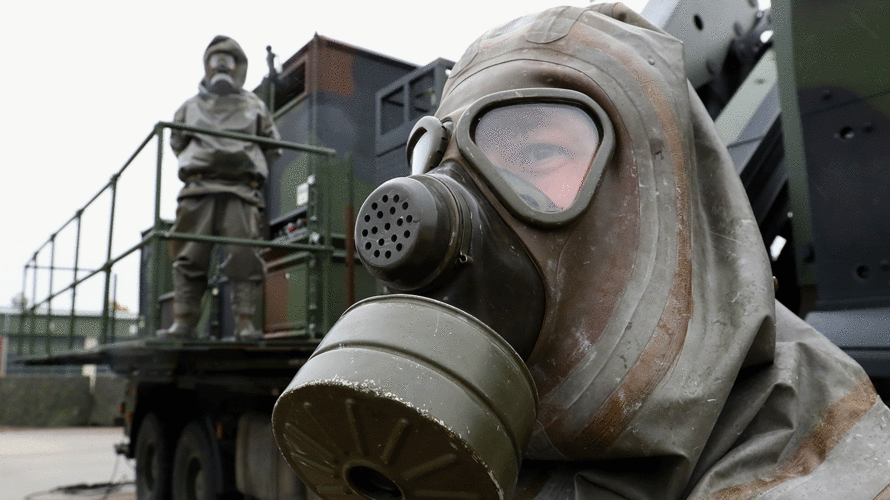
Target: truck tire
<point x="196" y="468"/>
<point x="153" y="460"/>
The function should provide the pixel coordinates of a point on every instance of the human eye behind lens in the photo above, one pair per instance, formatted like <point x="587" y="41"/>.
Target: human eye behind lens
<point x="544" y="155"/>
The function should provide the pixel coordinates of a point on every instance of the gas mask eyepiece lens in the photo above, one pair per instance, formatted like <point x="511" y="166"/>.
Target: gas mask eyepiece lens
<point x="542" y="151"/>
<point x="222" y="62"/>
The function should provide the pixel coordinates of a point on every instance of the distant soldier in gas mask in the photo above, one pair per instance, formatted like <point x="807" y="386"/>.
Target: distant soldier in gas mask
<point x="573" y="199"/>
<point x="223" y="188"/>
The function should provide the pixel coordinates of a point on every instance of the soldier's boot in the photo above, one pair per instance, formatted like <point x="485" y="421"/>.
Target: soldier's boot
<point x="244" y="328"/>
<point x="183" y="327"/>
<point x="187" y="294"/>
<point x="243" y="299"/>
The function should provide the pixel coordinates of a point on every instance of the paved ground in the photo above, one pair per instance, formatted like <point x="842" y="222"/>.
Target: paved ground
<point x="34" y="462"/>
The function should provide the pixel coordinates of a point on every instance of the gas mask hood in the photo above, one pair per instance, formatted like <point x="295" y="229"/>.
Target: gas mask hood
<point x="225" y="66"/>
<point x="554" y="201"/>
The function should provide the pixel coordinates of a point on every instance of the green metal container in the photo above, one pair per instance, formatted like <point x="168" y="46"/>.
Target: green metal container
<point x="407" y="397"/>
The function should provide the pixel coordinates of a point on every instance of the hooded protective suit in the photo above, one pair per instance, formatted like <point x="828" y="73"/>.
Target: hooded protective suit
<point x="209" y="164"/>
<point x="664" y="367"/>
<point x="223" y="180"/>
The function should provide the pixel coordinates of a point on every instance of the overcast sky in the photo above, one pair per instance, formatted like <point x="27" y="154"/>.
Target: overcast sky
<point x="84" y="82"/>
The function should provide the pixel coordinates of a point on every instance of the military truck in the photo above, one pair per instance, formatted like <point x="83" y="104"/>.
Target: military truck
<point x="197" y="412"/>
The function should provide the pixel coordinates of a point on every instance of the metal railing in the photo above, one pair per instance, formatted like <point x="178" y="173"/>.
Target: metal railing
<point x="153" y="237"/>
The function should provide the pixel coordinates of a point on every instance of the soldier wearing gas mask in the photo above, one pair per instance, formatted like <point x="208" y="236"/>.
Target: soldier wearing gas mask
<point x="222" y="194"/>
<point x="572" y="196"/>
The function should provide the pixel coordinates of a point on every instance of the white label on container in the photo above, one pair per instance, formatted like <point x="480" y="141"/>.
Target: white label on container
<point x="303" y="193"/>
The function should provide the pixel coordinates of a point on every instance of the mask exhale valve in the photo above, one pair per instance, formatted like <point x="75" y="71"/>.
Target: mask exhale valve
<point x="411" y="231"/>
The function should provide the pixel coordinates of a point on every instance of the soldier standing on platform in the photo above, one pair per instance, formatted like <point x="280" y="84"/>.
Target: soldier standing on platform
<point x="222" y="194"/>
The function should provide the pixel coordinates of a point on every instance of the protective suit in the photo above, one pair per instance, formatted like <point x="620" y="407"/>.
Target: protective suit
<point x="572" y="195"/>
<point x="664" y="367"/>
<point x="223" y="180"/>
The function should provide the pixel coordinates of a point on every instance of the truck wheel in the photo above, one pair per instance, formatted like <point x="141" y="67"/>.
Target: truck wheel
<point x="196" y="470"/>
<point x="153" y="460"/>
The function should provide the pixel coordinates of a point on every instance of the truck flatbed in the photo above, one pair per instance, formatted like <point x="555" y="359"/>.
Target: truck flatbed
<point x="168" y="360"/>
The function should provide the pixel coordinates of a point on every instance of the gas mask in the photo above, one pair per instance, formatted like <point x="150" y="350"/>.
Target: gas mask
<point x="222" y="66"/>
<point x="574" y="274"/>
<point x="430" y="380"/>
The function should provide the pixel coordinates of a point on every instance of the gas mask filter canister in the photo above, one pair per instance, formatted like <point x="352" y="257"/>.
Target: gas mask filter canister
<point x="408" y="397"/>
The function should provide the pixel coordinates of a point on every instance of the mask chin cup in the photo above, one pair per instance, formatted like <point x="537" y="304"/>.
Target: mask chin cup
<point x="408" y="397"/>
<point x="221" y="84"/>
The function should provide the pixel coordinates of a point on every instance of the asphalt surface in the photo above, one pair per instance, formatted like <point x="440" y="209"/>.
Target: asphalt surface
<point x="44" y="464"/>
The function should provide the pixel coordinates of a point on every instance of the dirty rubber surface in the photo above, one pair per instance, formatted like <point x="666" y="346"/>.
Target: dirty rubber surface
<point x="36" y="463"/>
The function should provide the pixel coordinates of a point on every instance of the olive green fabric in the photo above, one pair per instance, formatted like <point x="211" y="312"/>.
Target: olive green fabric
<point x="223" y="179"/>
<point x="665" y="368"/>
<point x="221" y="214"/>
<point x="210" y="164"/>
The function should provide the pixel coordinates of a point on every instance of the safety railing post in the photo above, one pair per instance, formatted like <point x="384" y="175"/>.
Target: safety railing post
<point x="314" y="296"/>
<point x="49" y="305"/>
<point x="20" y="345"/>
<point x="349" y="233"/>
<point x="153" y="313"/>
<point x="327" y="258"/>
<point x="33" y="306"/>
<point x="73" y="317"/>
<point x="107" y="267"/>
<point x="113" y="319"/>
